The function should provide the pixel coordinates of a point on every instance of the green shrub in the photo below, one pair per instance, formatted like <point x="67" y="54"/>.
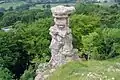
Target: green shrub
<point x="82" y="25"/>
<point x="5" y="74"/>
<point x="28" y="74"/>
<point x="102" y="44"/>
<point x="87" y="8"/>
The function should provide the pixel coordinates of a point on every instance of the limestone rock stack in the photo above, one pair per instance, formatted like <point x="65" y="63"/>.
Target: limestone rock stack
<point x="61" y="44"/>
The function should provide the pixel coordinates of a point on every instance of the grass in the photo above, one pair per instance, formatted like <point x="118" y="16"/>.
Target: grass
<point x="12" y="4"/>
<point x="89" y="70"/>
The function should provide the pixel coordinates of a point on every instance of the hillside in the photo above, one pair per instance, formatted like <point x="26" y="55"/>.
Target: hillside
<point x="25" y="41"/>
<point x="12" y="4"/>
<point x="89" y="70"/>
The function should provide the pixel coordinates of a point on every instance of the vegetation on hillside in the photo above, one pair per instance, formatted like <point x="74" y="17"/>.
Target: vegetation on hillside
<point x="26" y="43"/>
<point x="88" y="70"/>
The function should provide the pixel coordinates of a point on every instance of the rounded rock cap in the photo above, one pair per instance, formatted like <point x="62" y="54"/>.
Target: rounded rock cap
<point x="62" y="10"/>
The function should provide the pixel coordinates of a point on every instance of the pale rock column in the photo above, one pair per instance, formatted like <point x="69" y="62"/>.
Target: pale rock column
<point x="61" y="44"/>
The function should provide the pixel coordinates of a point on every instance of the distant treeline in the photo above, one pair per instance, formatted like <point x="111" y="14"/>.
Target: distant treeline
<point x="60" y="1"/>
<point x="42" y="1"/>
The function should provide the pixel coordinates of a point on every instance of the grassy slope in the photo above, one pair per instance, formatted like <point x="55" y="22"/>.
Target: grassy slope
<point x="91" y="70"/>
<point x="12" y="4"/>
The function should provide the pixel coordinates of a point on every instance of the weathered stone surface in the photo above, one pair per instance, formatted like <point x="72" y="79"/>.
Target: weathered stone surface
<point x="61" y="44"/>
<point x="39" y="77"/>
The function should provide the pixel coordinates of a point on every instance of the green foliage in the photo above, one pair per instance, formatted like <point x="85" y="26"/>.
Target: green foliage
<point x="10" y="9"/>
<point x="95" y="32"/>
<point x="26" y="16"/>
<point x="9" y="18"/>
<point x="1" y="14"/>
<point x="96" y="44"/>
<point x="88" y="70"/>
<point x="36" y="39"/>
<point x="102" y="44"/>
<point x="83" y="25"/>
<point x="13" y="4"/>
<point x="13" y="54"/>
<point x="87" y="8"/>
<point x="28" y="74"/>
<point x="109" y="15"/>
<point x="5" y="74"/>
<point x="24" y="45"/>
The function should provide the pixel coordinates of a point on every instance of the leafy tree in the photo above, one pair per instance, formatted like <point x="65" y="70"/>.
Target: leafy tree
<point x="28" y="74"/>
<point x="1" y="14"/>
<point x="12" y="54"/>
<point x="10" y="8"/>
<point x="5" y="74"/>
<point x="102" y="44"/>
<point x="48" y="6"/>
<point x="36" y="38"/>
<point x="88" y="8"/>
<point x="43" y="6"/>
<point x="26" y="16"/>
<point x="9" y="18"/>
<point x="83" y="25"/>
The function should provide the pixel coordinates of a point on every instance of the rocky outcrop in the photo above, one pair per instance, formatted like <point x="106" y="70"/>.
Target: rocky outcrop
<point x="61" y="45"/>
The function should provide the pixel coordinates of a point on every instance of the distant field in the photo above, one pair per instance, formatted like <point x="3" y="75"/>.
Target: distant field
<point x="39" y="6"/>
<point x="13" y="4"/>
